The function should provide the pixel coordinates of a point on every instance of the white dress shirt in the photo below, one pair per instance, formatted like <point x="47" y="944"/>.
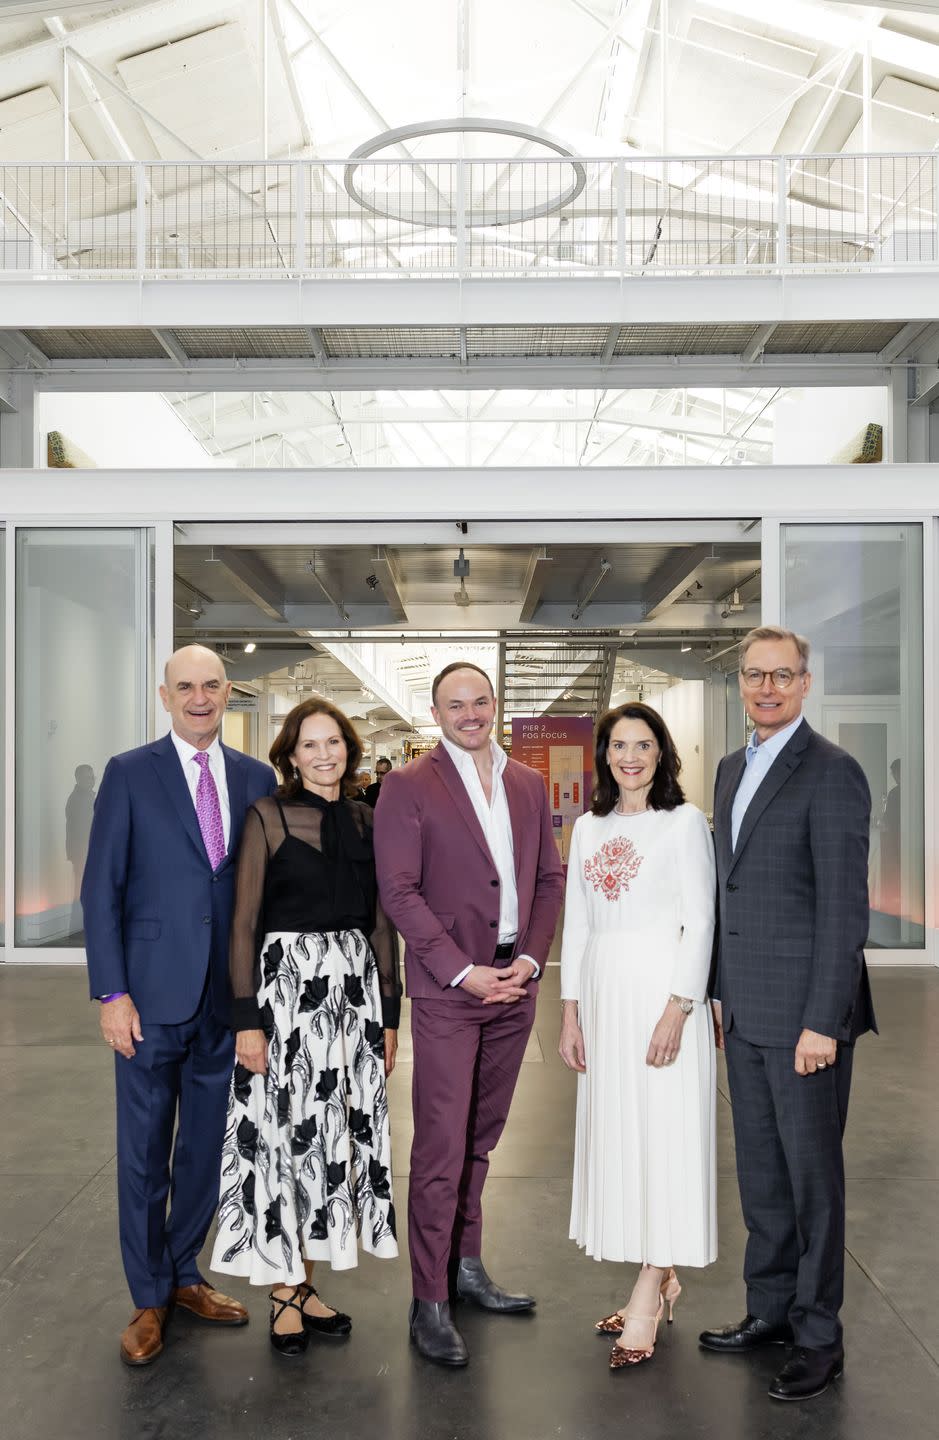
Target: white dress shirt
<point x="760" y="756"/>
<point x="496" y="825"/>
<point x="192" y="771"/>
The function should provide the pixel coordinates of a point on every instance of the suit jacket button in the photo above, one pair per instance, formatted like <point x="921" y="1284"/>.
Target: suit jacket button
<point x="207" y="920"/>
<point x="730" y="885"/>
<point x="493" y="882"/>
<point x="492" y="924"/>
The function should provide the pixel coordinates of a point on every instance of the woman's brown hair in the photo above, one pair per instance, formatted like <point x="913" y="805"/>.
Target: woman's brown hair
<point x="666" y="792"/>
<point x="286" y="743"/>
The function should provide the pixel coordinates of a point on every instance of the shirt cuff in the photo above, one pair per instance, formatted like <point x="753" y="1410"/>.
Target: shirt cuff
<point x="458" y="979"/>
<point x="537" y="974"/>
<point x="114" y="995"/>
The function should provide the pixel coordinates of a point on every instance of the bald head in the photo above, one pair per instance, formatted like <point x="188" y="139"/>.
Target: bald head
<point x="191" y="655"/>
<point x="195" y="692"/>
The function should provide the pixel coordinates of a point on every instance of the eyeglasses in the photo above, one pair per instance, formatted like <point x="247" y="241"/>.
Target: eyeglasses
<point x="781" y="678"/>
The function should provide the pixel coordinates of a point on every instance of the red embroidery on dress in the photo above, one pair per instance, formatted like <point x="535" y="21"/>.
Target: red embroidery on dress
<point x="612" y="868"/>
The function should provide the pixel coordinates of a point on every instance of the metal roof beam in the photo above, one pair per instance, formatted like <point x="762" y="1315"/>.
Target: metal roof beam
<point x="533" y="584"/>
<point x="903" y="341"/>
<point x="24" y="354"/>
<point x="391" y="584"/>
<point x="673" y="577"/>
<point x="631" y="373"/>
<point x="757" y="343"/>
<point x="252" y="579"/>
<point x="171" y="345"/>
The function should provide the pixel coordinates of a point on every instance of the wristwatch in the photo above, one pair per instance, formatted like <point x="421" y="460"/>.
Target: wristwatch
<point x="684" y="1004"/>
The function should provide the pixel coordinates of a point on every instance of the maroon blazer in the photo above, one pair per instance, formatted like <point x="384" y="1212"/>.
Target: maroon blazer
<point x="438" y="881"/>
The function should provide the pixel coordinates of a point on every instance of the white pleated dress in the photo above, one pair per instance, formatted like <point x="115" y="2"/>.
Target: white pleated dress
<point x="638" y="927"/>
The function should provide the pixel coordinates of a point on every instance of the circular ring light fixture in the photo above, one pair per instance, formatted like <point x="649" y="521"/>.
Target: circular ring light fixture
<point x="463" y="126"/>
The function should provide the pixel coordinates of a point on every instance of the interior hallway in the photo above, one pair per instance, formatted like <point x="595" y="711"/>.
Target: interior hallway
<point x="63" y="1300"/>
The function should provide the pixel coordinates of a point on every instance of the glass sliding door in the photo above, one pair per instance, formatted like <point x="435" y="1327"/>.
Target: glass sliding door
<point x="84" y="649"/>
<point x="856" y="591"/>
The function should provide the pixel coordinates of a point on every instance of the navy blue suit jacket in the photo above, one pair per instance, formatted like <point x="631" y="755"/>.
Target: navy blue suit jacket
<point x="157" y="918"/>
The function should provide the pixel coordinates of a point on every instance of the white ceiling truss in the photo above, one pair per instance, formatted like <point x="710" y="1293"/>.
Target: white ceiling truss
<point x="228" y="81"/>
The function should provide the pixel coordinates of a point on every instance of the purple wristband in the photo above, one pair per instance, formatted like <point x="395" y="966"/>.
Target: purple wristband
<point x="116" y="995"/>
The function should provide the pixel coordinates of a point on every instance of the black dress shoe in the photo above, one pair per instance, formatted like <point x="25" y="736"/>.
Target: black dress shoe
<point x="334" y="1326"/>
<point x="807" y="1373"/>
<point x="434" y="1333"/>
<point x="749" y="1334"/>
<point x="469" y="1281"/>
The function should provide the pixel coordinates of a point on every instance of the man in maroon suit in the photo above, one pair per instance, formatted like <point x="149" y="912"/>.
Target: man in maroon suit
<point x="469" y="872"/>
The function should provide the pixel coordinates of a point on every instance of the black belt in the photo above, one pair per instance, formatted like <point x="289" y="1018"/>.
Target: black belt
<point x="505" y="952"/>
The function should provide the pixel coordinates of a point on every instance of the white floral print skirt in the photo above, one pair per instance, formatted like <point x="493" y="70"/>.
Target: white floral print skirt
<point x="306" y="1160"/>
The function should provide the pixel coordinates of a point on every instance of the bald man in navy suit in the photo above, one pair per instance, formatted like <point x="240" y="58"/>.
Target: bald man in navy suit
<point x="157" y="896"/>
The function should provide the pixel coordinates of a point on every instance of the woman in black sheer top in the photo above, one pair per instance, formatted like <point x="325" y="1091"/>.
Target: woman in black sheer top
<point x="306" y="1162"/>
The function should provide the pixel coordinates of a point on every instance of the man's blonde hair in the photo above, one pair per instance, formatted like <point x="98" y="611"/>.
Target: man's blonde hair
<point x="774" y="632"/>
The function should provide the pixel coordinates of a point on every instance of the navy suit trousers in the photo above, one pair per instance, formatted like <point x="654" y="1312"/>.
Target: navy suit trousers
<point x="168" y="1192"/>
<point x="788" y="1130"/>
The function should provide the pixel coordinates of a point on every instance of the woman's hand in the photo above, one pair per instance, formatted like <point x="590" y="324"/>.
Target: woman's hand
<point x="391" y="1051"/>
<point x="571" y="1043"/>
<point x="251" y="1050"/>
<point x="666" y="1037"/>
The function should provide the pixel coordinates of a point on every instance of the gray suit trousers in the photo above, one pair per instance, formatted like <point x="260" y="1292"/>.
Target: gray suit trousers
<point x="788" y="1131"/>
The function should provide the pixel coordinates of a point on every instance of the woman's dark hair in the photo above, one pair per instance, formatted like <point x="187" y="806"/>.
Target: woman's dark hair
<point x="286" y="743"/>
<point x="666" y="792"/>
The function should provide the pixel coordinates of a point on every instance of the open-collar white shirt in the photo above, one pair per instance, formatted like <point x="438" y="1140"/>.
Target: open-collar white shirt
<point x="192" y="771"/>
<point x="496" y="825"/>
<point x="759" y="758"/>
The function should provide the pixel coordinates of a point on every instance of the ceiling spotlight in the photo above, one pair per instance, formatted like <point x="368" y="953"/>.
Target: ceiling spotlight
<point x="372" y="582"/>
<point x="250" y="647"/>
<point x="685" y="647"/>
<point x="460" y="596"/>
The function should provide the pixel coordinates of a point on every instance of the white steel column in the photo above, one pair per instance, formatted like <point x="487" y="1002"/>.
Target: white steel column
<point x="9" y="766"/>
<point x="19" y="425"/>
<point x="163" y="617"/>
<point x="896" y="439"/>
<point x="262" y="61"/>
<point x="931" y="733"/>
<point x="663" y="73"/>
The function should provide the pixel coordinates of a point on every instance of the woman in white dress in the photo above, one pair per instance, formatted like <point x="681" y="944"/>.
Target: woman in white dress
<point x="636" y="1024"/>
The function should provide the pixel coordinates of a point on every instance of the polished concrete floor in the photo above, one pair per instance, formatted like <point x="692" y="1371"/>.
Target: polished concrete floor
<point x="63" y="1301"/>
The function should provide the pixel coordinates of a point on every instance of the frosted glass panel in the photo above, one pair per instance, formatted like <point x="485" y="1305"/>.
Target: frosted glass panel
<point x="856" y="591"/>
<point x="83" y="662"/>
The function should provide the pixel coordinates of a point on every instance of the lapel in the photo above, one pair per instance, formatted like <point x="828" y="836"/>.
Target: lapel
<point x="514" y="799"/>
<point x="166" y="763"/>
<point x="787" y="761"/>
<point x="457" y="790"/>
<point x="236" y="779"/>
<point x="731" y="775"/>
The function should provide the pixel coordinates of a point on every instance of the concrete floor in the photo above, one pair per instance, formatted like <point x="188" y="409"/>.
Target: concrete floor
<point x="63" y="1301"/>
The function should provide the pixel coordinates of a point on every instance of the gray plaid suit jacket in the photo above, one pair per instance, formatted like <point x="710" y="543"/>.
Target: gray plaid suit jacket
<point x="792" y="897"/>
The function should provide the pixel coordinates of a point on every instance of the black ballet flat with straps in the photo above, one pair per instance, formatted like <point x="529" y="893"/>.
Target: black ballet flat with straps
<point x="294" y="1342"/>
<point x="333" y="1326"/>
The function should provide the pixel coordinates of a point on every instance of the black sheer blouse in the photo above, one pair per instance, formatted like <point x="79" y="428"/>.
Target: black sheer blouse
<point x="306" y="864"/>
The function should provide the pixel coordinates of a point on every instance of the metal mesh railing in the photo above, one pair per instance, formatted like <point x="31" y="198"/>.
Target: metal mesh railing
<point x="509" y="217"/>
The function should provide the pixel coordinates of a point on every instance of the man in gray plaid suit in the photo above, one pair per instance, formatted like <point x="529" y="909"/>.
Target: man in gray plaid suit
<point x="791" y="993"/>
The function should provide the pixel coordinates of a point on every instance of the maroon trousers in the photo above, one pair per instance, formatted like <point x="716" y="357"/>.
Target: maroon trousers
<point x="466" y="1062"/>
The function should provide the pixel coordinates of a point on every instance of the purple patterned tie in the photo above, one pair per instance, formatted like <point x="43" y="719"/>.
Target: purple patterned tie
<point x="209" y="812"/>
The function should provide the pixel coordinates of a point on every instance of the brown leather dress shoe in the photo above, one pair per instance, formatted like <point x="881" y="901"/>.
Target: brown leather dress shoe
<point x="208" y="1304"/>
<point x="142" y="1341"/>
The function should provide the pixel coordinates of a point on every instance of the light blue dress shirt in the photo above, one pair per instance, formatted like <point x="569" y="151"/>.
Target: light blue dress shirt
<point x="759" y="760"/>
